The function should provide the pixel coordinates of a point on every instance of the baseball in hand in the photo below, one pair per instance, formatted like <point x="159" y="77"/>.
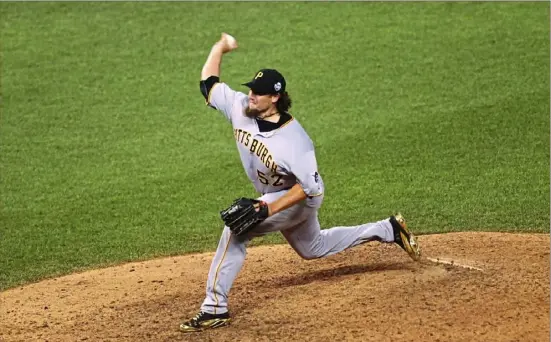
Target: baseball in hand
<point x="228" y="42"/>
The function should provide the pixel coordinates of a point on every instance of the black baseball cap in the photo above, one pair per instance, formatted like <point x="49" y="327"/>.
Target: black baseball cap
<point x="267" y="81"/>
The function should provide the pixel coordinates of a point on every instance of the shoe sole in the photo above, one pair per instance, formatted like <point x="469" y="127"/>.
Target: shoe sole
<point x="409" y="240"/>
<point x="211" y="324"/>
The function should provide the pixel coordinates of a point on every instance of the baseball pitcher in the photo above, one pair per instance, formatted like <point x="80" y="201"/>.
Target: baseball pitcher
<point x="280" y="160"/>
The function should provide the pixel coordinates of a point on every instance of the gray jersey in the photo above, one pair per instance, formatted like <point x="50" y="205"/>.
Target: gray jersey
<point x="274" y="160"/>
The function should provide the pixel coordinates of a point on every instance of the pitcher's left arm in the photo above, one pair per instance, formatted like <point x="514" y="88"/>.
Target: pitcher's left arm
<point x="309" y="184"/>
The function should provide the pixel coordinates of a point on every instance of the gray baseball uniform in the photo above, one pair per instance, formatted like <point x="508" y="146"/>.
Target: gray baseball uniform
<point x="274" y="162"/>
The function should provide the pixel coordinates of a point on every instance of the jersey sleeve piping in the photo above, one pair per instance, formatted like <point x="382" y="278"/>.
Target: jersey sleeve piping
<point x="210" y="92"/>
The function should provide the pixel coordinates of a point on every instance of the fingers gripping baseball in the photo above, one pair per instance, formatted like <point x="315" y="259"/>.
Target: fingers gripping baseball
<point x="227" y="42"/>
<point x="244" y="214"/>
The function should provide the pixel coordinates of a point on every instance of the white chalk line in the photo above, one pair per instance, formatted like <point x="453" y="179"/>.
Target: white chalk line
<point x="454" y="263"/>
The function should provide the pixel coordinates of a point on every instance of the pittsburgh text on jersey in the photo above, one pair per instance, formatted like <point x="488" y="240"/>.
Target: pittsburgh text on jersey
<point x="257" y="147"/>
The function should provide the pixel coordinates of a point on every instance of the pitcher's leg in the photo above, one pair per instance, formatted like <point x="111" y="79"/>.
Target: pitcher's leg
<point x="227" y="263"/>
<point x="310" y="242"/>
<point x="230" y="257"/>
<point x="225" y="266"/>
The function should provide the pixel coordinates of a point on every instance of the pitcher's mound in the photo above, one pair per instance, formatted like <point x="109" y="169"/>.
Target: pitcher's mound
<point x="475" y="287"/>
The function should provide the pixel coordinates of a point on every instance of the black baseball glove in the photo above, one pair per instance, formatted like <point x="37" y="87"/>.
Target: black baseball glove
<point x="244" y="214"/>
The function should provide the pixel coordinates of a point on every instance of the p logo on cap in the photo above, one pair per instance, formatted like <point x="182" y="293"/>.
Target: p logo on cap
<point x="267" y="81"/>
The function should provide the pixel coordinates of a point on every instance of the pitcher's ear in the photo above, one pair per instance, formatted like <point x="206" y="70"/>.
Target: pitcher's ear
<point x="276" y="98"/>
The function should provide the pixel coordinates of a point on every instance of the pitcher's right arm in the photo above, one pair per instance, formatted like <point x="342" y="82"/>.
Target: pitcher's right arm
<point x="217" y="94"/>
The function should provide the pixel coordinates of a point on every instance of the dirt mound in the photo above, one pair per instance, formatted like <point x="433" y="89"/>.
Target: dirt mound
<point x="496" y="290"/>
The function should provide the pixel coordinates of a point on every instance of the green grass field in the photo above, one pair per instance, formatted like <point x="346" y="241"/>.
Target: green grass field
<point x="108" y="153"/>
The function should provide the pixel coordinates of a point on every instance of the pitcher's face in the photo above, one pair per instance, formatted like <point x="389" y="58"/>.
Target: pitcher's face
<point x="259" y="104"/>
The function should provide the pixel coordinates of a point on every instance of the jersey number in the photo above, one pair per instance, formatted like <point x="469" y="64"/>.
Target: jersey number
<point x="264" y="180"/>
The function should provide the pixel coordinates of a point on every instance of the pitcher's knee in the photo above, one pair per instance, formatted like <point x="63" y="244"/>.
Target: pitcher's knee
<point x="309" y="255"/>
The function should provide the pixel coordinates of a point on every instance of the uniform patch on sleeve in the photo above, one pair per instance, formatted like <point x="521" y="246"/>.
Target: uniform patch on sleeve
<point x="315" y="186"/>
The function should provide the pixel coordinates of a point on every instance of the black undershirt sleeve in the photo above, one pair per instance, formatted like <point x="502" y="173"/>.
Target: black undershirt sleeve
<point x="206" y="85"/>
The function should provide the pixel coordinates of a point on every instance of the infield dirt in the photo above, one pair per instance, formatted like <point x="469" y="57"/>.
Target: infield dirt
<point x="372" y="292"/>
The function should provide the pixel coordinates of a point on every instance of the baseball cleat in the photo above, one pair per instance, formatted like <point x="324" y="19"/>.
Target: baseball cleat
<point x="404" y="238"/>
<point x="204" y="320"/>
